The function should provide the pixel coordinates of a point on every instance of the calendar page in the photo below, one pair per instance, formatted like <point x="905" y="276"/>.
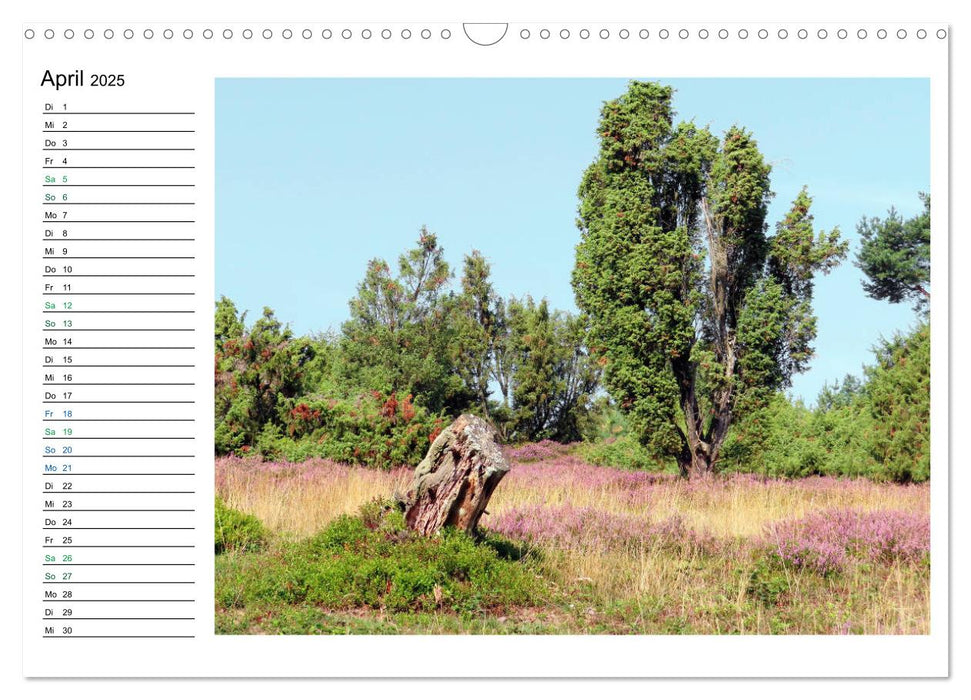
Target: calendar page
<point x="485" y="349"/>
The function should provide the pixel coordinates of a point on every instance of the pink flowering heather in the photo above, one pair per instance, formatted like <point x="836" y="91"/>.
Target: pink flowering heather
<point x="827" y="541"/>
<point x="567" y="473"/>
<point x="639" y="489"/>
<point x="589" y="527"/>
<point x="537" y="451"/>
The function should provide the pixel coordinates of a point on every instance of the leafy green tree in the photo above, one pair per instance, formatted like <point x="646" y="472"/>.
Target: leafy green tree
<point x="895" y="256"/>
<point x="840" y="394"/>
<point x="504" y="353"/>
<point x="698" y="314"/>
<point x="476" y="324"/>
<point x="579" y="373"/>
<point x="535" y="383"/>
<point x="553" y="376"/>
<point x="398" y="338"/>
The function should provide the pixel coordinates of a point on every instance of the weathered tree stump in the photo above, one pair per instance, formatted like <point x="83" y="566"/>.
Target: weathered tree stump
<point x="453" y="484"/>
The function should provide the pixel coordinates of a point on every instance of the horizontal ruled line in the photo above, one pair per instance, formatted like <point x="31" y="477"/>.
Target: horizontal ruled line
<point x="72" y="617"/>
<point x="125" y="564"/>
<point x="118" y="315"/>
<point x="119" y="420"/>
<point x="118" y="366"/>
<point x="127" y="113"/>
<point x="119" y="149"/>
<point x="124" y="311"/>
<point x="115" y="204"/>
<point x="118" y="257"/>
<point x="119" y="636"/>
<point x="123" y="221"/>
<point x="119" y="167"/>
<point x="46" y="240"/>
<point x="124" y="600"/>
<point x="119" y="510"/>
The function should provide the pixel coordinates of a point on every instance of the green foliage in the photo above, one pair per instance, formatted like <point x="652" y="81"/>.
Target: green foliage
<point x="768" y="582"/>
<point x="895" y="256"/>
<point x="412" y="355"/>
<point x="535" y="356"/>
<point x="256" y="370"/>
<point x="697" y="315"/>
<point x="625" y="452"/>
<point x="398" y="338"/>
<point x="879" y="428"/>
<point x="898" y="398"/>
<point x="369" y="429"/>
<point x="236" y="531"/>
<point x="841" y="394"/>
<point x="693" y="316"/>
<point x="477" y="324"/>
<point x="610" y="442"/>
<point x="372" y="560"/>
<point x="553" y="375"/>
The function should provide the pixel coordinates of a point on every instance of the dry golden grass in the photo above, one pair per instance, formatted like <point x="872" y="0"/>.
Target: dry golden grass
<point x="301" y="499"/>
<point x="724" y="507"/>
<point x="708" y="594"/>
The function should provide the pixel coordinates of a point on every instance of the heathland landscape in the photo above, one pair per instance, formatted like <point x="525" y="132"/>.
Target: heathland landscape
<point x="661" y="479"/>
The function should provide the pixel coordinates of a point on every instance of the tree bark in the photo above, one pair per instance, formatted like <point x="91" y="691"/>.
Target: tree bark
<point x="695" y="464"/>
<point x="453" y="484"/>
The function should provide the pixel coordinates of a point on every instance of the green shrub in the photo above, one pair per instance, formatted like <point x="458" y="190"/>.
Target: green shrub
<point x="372" y="560"/>
<point x="897" y="395"/>
<point x="879" y="429"/>
<point x="767" y="582"/>
<point x="624" y="452"/>
<point x="236" y="531"/>
<point x="371" y="429"/>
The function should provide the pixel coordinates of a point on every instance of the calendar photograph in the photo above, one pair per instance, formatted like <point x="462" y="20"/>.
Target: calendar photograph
<point x="561" y="356"/>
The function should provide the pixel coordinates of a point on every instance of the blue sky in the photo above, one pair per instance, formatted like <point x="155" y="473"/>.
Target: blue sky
<point x="314" y="177"/>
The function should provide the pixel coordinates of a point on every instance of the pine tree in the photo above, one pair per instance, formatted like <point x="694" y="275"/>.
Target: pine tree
<point x="398" y="337"/>
<point x="895" y="256"/>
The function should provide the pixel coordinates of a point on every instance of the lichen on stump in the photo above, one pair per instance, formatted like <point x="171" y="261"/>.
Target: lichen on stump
<point x="453" y="484"/>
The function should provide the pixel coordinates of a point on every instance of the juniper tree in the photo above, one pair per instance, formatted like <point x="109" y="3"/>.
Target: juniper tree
<point x="553" y="376"/>
<point x="476" y="323"/>
<point x="697" y="313"/>
<point x="895" y="256"/>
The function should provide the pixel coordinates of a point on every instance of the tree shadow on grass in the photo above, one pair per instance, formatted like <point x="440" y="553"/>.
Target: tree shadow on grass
<point x="508" y="550"/>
